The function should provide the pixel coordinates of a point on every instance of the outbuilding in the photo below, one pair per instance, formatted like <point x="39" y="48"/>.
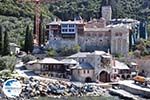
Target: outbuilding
<point x="83" y="72"/>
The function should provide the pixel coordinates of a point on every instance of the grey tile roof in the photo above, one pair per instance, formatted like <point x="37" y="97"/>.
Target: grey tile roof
<point x="84" y="66"/>
<point x="69" y="61"/>
<point x="79" y="55"/>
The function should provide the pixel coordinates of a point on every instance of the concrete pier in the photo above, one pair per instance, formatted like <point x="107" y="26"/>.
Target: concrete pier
<point x="123" y="93"/>
<point x="136" y="89"/>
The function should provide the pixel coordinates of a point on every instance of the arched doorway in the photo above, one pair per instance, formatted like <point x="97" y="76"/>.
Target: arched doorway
<point x="88" y="79"/>
<point x="104" y="76"/>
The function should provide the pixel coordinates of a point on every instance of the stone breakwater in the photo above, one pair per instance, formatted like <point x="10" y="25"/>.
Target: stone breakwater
<point x="32" y="88"/>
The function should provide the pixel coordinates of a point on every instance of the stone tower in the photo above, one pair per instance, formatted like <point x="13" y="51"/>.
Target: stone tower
<point x="107" y="13"/>
<point x="120" y="40"/>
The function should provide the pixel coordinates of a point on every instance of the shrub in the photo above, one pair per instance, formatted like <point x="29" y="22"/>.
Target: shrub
<point x="68" y="51"/>
<point x="2" y="64"/>
<point x="52" y="52"/>
<point x="8" y="62"/>
<point x="5" y="74"/>
<point x="28" y="58"/>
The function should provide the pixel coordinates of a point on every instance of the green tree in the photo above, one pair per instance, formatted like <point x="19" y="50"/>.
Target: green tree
<point x="34" y="25"/>
<point x="7" y="62"/>
<point x="43" y="36"/>
<point x="66" y="51"/>
<point x="76" y="48"/>
<point x="10" y="62"/>
<point x="6" y="50"/>
<point x="28" y="46"/>
<point x="40" y="30"/>
<point x="1" y="39"/>
<point x="52" y="52"/>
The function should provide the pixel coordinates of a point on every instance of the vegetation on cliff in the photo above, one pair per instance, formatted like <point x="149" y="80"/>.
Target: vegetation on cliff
<point x="15" y="16"/>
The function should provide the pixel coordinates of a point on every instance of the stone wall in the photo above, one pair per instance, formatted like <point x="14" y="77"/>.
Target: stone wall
<point x="59" y="43"/>
<point x="95" y="40"/>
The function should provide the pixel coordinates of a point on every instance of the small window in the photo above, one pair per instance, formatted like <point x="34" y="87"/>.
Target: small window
<point x="120" y="34"/>
<point x="71" y="30"/>
<point x="64" y="25"/>
<point x="64" y="30"/>
<point x="116" y="34"/>
<point x="100" y="35"/>
<point x="78" y="71"/>
<point x="88" y="71"/>
<point x="84" y="72"/>
<point x="71" y="25"/>
<point x="88" y="34"/>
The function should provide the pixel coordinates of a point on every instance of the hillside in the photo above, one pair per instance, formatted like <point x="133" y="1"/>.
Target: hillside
<point x="15" y="16"/>
<point x="68" y="9"/>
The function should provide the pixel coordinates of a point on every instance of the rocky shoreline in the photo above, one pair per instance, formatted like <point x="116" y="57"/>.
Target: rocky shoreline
<point x="33" y="88"/>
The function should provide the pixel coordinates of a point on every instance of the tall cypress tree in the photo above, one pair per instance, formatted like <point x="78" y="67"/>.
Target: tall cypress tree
<point x="1" y="39"/>
<point x="26" y="39"/>
<point x="28" y="45"/>
<point x="34" y="26"/>
<point x="43" y="36"/>
<point x="6" y="49"/>
<point x="30" y="41"/>
<point x="40" y="30"/>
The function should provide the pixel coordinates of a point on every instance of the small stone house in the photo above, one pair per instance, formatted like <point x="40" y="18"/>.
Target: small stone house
<point x="120" y="70"/>
<point x="83" y="72"/>
<point x="49" y="66"/>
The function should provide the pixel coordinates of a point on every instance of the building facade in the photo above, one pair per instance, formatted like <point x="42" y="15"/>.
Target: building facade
<point x="64" y="33"/>
<point x="98" y="66"/>
<point x="90" y="36"/>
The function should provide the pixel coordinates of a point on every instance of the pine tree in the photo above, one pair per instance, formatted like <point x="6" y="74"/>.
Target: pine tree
<point x="1" y="39"/>
<point x="28" y="46"/>
<point x="6" y="49"/>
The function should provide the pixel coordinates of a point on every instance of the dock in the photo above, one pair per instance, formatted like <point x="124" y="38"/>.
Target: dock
<point x="135" y="89"/>
<point x="122" y="93"/>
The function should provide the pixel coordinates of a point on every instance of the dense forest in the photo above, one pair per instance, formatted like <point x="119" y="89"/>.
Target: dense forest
<point x="16" y="16"/>
<point x="68" y="9"/>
